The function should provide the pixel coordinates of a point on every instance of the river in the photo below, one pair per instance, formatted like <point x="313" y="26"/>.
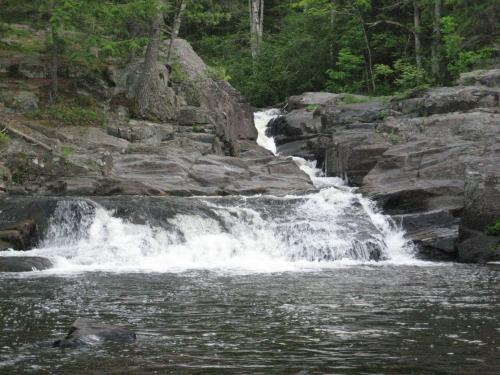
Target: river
<point x="321" y="282"/>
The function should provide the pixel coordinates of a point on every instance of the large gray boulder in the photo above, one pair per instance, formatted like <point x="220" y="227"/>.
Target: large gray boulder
<point x="163" y="102"/>
<point x="235" y="116"/>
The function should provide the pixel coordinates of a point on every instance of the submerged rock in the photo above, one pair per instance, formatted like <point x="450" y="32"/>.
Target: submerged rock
<point x="24" y="264"/>
<point x="88" y="332"/>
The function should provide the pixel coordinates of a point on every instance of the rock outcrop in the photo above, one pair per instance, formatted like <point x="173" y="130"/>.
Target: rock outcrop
<point x="432" y="159"/>
<point x="199" y="138"/>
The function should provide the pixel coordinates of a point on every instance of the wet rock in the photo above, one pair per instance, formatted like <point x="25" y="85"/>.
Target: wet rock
<point x="18" y="236"/>
<point x="435" y="232"/>
<point x="23" y="264"/>
<point x="87" y="332"/>
<point x="477" y="247"/>
<point x="353" y="154"/>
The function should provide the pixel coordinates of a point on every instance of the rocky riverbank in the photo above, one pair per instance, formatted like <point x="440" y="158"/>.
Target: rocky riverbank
<point x="431" y="159"/>
<point x="197" y="137"/>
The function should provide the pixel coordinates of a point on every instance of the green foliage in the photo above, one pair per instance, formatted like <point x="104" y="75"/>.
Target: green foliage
<point x="347" y="76"/>
<point x="494" y="229"/>
<point x="177" y="73"/>
<point x="69" y="113"/>
<point x="355" y="99"/>
<point x="67" y="151"/>
<point x="218" y="73"/>
<point x="384" y="114"/>
<point x="460" y="60"/>
<point x="394" y="137"/>
<point x="308" y="45"/>
<point x="311" y="107"/>
<point x="4" y="137"/>
<point x="408" y="75"/>
<point x="197" y="129"/>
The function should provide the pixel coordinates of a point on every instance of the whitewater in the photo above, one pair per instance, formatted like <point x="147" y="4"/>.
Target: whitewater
<point x="333" y="227"/>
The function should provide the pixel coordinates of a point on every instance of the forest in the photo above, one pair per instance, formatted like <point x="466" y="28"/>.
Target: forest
<point x="271" y="49"/>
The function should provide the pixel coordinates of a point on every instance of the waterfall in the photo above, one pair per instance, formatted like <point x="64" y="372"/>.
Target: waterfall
<point x="332" y="227"/>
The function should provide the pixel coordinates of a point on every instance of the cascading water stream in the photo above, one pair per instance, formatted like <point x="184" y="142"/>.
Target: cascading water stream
<point x="334" y="226"/>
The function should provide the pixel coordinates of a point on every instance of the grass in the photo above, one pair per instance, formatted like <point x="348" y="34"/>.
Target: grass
<point x="384" y="114"/>
<point x="177" y="73"/>
<point x="494" y="229"/>
<point x="67" y="151"/>
<point x="70" y="113"/>
<point x="359" y="99"/>
<point x="20" y="40"/>
<point x="4" y="137"/>
<point x="197" y="129"/>
<point x="218" y="73"/>
<point x="394" y="137"/>
<point x="354" y="99"/>
<point x="311" y="107"/>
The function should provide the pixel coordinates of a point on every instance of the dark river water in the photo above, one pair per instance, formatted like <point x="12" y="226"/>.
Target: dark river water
<point x="437" y="319"/>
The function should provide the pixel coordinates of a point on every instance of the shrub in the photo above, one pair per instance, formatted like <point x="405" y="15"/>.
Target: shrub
<point x="346" y="76"/>
<point x="459" y="60"/>
<point x="409" y="76"/>
<point x="218" y="73"/>
<point x="494" y="229"/>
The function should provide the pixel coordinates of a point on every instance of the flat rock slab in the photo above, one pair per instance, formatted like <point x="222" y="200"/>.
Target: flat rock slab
<point x="23" y="264"/>
<point x="88" y="332"/>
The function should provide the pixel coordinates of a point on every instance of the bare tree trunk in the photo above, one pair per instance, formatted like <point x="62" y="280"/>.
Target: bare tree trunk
<point x="368" y="50"/>
<point x="436" y="42"/>
<point x="256" y="12"/>
<point x="418" y="43"/>
<point x="143" y="89"/>
<point x="176" y="27"/>
<point x="54" y="66"/>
